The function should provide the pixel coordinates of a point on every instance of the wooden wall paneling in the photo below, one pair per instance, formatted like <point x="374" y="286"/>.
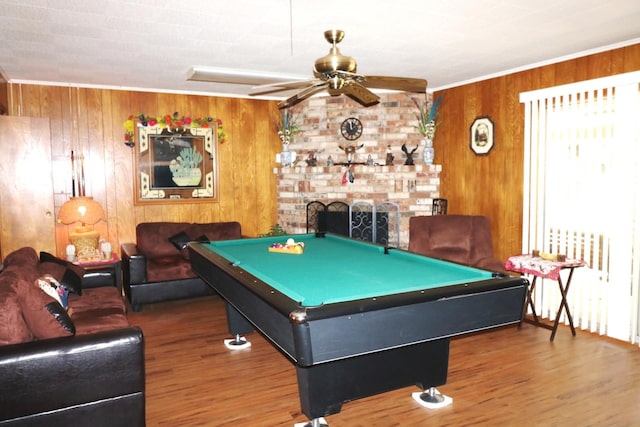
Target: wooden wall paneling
<point x="230" y="197"/>
<point x="508" y="219"/>
<point x="486" y="176"/>
<point x="267" y="144"/>
<point x="55" y="104"/>
<point x="93" y="143"/>
<point x="109" y="149"/>
<point x="600" y="64"/>
<point x="547" y="76"/>
<point x="97" y="142"/>
<point x="467" y="181"/>
<point x="244" y="164"/>
<point x="4" y="96"/>
<point x="58" y="113"/>
<point x="12" y="96"/>
<point x="630" y="59"/>
<point x="29" y="97"/>
<point x="243" y="168"/>
<point x="565" y="72"/>
<point x="121" y="211"/>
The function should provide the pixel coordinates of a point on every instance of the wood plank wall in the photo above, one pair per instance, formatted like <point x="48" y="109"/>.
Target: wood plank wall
<point x="492" y="185"/>
<point x="489" y="185"/>
<point x="4" y="95"/>
<point x="91" y="121"/>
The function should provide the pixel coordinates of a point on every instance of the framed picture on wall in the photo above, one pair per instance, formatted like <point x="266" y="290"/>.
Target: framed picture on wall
<point x="175" y="165"/>
<point x="481" y="136"/>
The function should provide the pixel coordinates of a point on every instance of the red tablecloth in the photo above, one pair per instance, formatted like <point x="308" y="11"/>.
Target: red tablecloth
<point x="528" y="264"/>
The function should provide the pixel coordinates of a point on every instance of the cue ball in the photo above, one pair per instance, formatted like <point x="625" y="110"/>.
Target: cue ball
<point x="291" y="242"/>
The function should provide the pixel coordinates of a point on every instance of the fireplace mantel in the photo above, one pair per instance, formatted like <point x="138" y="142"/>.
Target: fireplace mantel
<point x="413" y="188"/>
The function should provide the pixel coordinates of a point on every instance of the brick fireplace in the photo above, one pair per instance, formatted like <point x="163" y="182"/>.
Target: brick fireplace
<point x="386" y="127"/>
<point x="413" y="188"/>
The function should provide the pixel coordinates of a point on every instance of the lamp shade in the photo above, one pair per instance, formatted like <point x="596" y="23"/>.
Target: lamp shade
<point x="83" y="209"/>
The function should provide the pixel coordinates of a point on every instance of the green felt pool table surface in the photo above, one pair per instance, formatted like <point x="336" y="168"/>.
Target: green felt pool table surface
<point x="336" y="269"/>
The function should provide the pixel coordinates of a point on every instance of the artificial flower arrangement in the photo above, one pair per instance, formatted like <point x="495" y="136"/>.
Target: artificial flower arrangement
<point x="427" y="117"/>
<point x="171" y="122"/>
<point x="286" y="127"/>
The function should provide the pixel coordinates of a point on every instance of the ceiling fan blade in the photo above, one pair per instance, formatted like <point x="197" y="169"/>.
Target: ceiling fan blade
<point x="405" y="84"/>
<point x="302" y="95"/>
<point x="279" y="87"/>
<point x="360" y="94"/>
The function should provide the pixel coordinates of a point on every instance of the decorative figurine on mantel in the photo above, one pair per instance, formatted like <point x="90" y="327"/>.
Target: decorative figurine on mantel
<point x="350" y="151"/>
<point x="409" y="160"/>
<point x="311" y="159"/>
<point x="389" y="158"/>
<point x="329" y="161"/>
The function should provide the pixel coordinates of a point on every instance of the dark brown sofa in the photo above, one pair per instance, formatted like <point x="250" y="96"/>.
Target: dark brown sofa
<point x="80" y="366"/>
<point x="465" y="239"/>
<point x="157" y="267"/>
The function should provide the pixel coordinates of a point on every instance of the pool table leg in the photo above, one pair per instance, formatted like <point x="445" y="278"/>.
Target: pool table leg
<point x="237" y="325"/>
<point x="324" y="387"/>
<point x="431" y="398"/>
<point x="316" y="422"/>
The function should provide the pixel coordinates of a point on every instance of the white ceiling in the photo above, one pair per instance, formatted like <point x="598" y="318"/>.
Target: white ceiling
<point x="152" y="44"/>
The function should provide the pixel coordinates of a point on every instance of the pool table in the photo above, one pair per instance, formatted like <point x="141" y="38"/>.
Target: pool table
<point x="355" y="318"/>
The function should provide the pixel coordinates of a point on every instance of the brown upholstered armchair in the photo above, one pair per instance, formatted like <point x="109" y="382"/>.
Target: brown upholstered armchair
<point x="464" y="239"/>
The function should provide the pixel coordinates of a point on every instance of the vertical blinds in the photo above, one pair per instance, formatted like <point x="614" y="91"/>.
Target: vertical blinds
<point x="582" y="197"/>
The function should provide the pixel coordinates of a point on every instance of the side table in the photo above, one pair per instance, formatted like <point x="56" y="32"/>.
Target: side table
<point x="103" y="272"/>
<point x="547" y="269"/>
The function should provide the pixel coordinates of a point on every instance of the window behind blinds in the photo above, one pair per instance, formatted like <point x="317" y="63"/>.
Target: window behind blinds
<point x="582" y="197"/>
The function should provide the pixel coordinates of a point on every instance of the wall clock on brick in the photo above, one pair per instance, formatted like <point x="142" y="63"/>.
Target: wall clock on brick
<point x="351" y="129"/>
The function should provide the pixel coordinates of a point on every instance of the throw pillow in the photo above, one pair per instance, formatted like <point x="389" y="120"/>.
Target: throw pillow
<point x="202" y="238"/>
<point x="185" y="251"/>
<point x="67" y="273"/>
<point x="43" y="314"/>
<point x="180" y="240"/>
<point x="54" y="289"/>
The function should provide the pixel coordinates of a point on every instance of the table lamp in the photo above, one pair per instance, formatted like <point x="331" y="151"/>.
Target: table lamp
<point x="87" y="212"/>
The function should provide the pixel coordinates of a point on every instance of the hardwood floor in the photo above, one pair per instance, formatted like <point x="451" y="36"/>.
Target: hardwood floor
<point x="506" y="377"/>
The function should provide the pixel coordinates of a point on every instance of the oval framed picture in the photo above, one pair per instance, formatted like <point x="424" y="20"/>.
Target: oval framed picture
<point x="481" y="136"/>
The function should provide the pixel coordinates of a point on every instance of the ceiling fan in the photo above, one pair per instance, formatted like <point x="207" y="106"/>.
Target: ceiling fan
<point x="336" y="73"/>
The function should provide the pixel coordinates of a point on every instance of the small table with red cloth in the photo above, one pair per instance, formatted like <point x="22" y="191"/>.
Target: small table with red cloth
<point x="546" y="269"/>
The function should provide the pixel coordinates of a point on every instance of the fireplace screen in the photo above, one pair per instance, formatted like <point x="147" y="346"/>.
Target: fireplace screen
<point x="363" y="221"/>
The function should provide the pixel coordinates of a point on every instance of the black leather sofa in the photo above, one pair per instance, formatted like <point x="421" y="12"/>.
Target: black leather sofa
<point x="157" y="267"/>
<point x="76" y="365"/>
<point x="87" y="380"/>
